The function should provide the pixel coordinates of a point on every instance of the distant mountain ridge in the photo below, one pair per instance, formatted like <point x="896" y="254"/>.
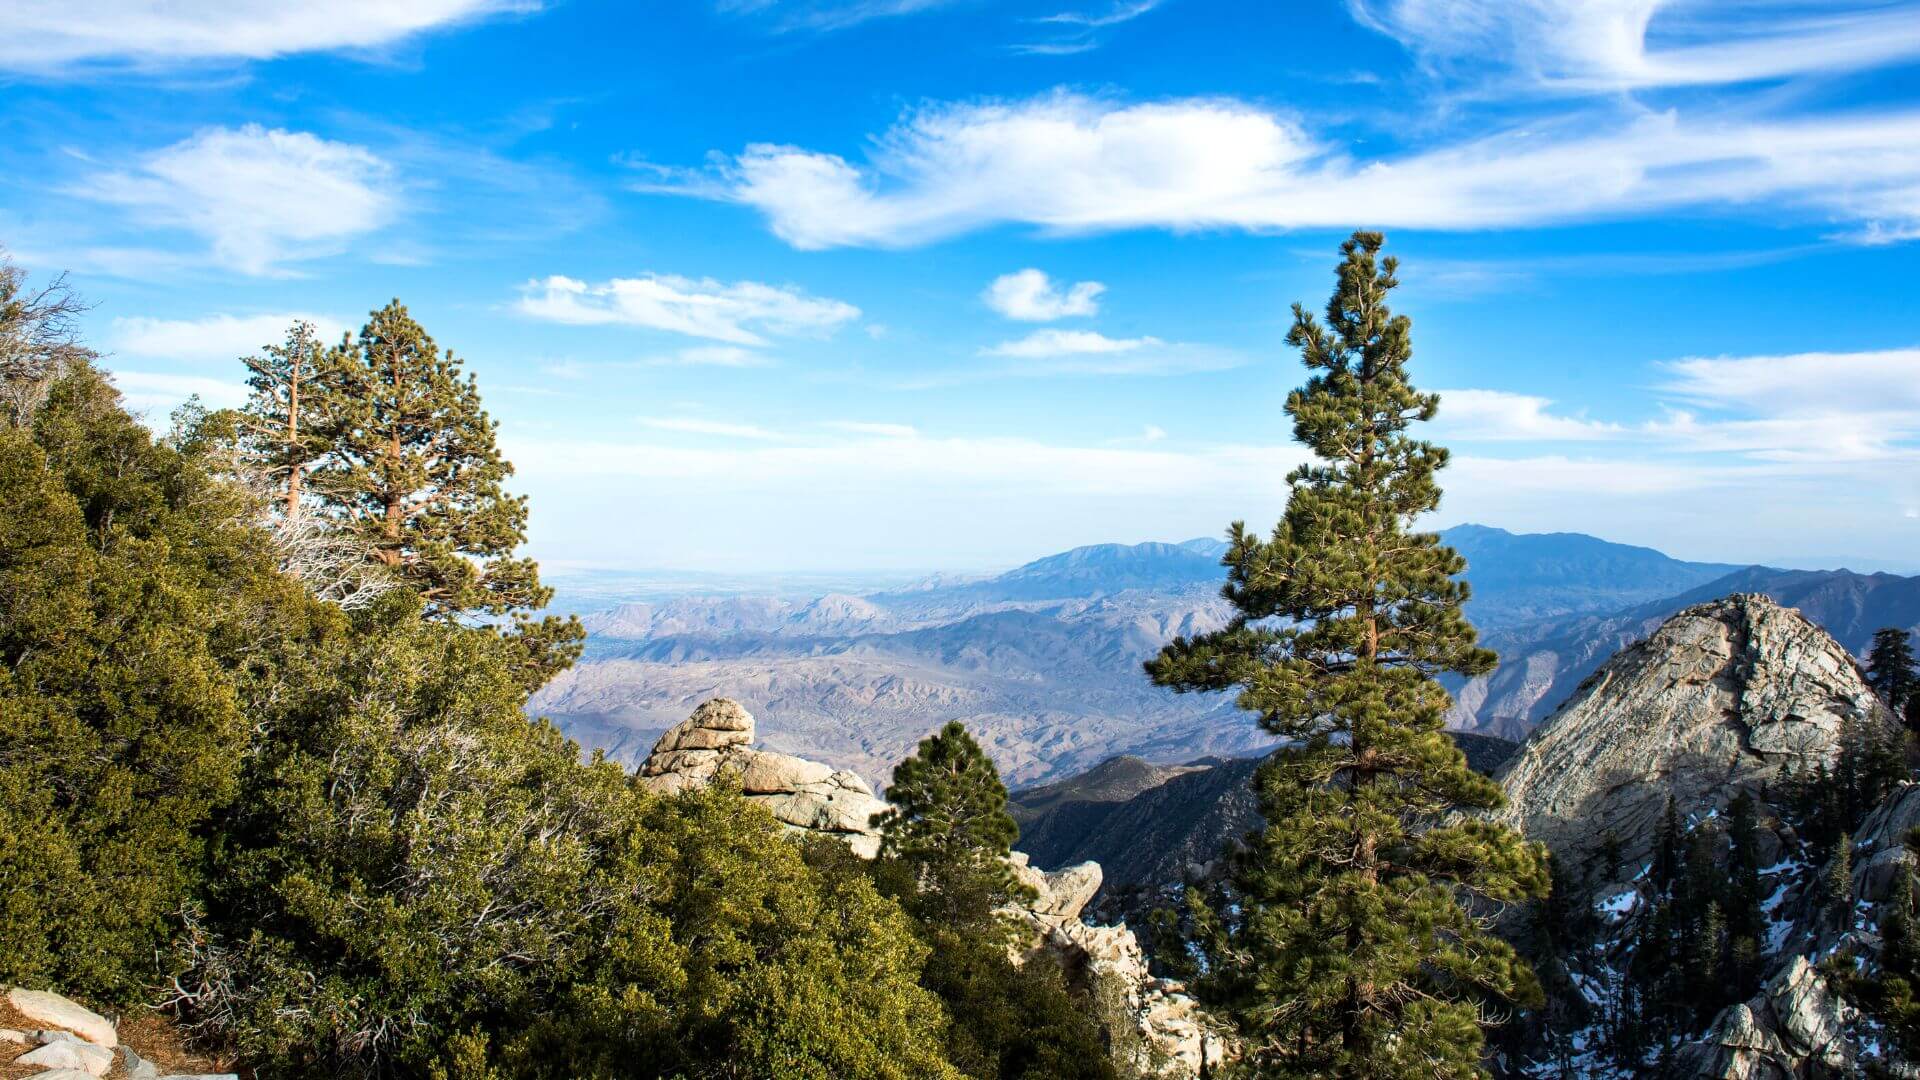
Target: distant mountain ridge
<point x="1522" y="576"/>
<point x="1043" y="661"/>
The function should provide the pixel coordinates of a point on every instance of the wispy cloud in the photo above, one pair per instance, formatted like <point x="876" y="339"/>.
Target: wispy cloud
<point x="220" y="338"/>
<point x="1597" y="45"/>
<point x="740" y="313"/>
<point x="51" y="36"/>
<point x="1067" y="163"/>
<point x="825" y="15"/>
<point x="1030" y="296"/>
<point x="1042" y="344"/>
<point x="878" y="430"/>
<point x="260" y="197"/>
<point x="1079" y="31"/>
<point x="729" y="356"/>
<point x="1087" y="352"/>
<point x="721" y="428"/>
<point x="158" y="392"/>
<point x="1500" y="416"/>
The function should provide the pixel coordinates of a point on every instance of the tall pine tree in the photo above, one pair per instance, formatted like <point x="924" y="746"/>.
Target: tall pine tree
<point x="412" y="471"/>
<point x="278" y="423"/>
<point x="1349" y="949"/>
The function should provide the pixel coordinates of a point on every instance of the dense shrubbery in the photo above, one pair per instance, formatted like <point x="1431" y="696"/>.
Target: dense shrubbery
<point x="332" y="842"/>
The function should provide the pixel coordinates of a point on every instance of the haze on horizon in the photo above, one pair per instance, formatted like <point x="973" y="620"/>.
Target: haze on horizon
<point x="792" y="286"/>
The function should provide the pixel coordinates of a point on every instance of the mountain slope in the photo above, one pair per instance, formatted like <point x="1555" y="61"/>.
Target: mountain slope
<point x="1541" y="663"/>
<point x="1151" y="827"/>
<point x="1519" y="577"/>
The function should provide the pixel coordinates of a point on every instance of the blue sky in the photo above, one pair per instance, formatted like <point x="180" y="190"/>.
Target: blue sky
<point x="897" y="284"/>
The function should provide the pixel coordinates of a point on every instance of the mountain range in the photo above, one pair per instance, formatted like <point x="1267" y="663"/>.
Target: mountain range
<point x="1042" y="662"/>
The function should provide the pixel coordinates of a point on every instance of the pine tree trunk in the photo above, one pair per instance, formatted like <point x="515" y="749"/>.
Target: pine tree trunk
<point x="293" y="441"/>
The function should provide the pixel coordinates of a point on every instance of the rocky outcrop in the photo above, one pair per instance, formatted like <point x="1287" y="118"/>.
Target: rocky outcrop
<point x="716" y="744"/>
<point x="717" y="740"/>
<point x="71" y="1042"/>
<point x="1720" y="699"/>
<point x="1795" y="1028"/>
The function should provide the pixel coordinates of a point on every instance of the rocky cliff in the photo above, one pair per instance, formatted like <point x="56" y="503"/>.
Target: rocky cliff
<point x="1720" y="699"/>
<point x="715" y="744"/>
<point x="1725" y="698"/>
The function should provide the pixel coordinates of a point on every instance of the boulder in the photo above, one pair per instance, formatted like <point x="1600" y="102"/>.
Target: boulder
<point x="763" y="772"/>
<point x="135" y="1067"/>
<point x="716" y="724"/>
<point x="57" y="1012"/>
<point x="69" y="1053"/>
<point x="17" y="1038"/>
<point x="1063" y="893"/>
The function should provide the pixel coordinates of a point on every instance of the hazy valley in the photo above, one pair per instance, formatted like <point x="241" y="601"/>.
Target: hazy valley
<point x="1043" y="661"/>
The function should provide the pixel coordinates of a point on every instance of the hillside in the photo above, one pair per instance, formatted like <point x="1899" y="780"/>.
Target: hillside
<point x="1153" y="826"/>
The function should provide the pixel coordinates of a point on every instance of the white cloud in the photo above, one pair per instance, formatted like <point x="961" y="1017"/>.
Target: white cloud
<point x="1087" y="352"/>
<point x="1043" y="344"/>
<point x="1079" y="31"/>
<point x="741" y="313"/>
<point x="1614" y="44"/>
<point x="1030" y="296"/>
<point x="1802" y="383"/>
<point x="1153" y="433"/>
<point x="826" y="15"/>
<point x="1118" y="12"/>
<point x="692" y="426"/>
<point x="1497" y="415"/>
<point x="861" y="427"/>
<point x="50" y="35"/>
<point x="215" y="337"/>
<point x="158" y="392"/>
<point x="260" y="197"/>
<point x="1067" y="163"/>
<point x="1810" y="407"/>
<point x="712" y="356"/>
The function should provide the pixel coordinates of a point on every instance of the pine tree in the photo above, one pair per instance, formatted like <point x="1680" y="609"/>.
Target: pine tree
<point x="281" y="435"/>
<point x="1890" y="668"/>
<point x="1348" y="949"/>
<point x="413" y="472"/>
<point x="948" y="824"/>
<point x="1665" y="871"/>
<point x="1838" y="885"/>
<point x="1889" y="991"/>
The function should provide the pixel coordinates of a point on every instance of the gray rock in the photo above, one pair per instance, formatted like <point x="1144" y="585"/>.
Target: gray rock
<point x="1722" y="698"/>
<point x="763" y="772"/>
<point x="135" y="1067"/>
<point x="718" y="723"/>
<point x="69" y="1053"/>
<point x="57" y="1012"/>
<point x="17" y="1038"/>
<point x="1067" y="891"/>
<point x="62" y="1074"/>
<point x="1795" y="1027"/>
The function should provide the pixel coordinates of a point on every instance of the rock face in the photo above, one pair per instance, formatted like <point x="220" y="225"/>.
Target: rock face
<point x="716" y="743"/>
<point x="1719" y="699"/>
<point x="1795" y="1027"/>
<point x="805" y="795"/>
